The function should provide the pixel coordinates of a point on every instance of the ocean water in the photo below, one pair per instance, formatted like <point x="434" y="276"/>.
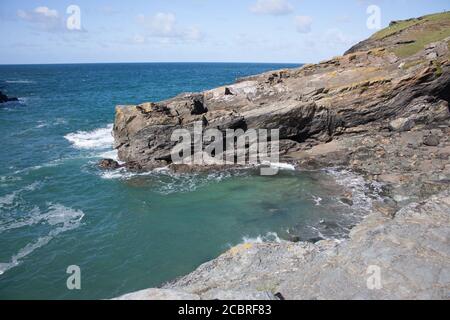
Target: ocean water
<point x="128" y="232"/>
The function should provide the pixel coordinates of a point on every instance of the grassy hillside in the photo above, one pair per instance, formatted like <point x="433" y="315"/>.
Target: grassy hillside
<point x="407" y="37"/>
<point x="422" y="31"/>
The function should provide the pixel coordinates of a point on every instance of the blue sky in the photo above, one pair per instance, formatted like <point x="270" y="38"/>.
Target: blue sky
<point x="192" y="30"/>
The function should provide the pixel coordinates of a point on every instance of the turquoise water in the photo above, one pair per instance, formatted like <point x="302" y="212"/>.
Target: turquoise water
<point x="127" y="232"/>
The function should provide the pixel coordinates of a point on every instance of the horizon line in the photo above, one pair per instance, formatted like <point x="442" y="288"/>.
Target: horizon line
<point x="153" y="62"/>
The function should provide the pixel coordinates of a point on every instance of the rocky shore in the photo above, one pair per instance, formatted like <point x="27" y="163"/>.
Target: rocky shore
<point x="4" y="98"/>
<point x="380" y="110"/>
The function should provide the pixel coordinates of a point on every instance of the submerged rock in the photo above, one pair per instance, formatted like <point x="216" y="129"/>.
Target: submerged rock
<point x="4" y="98"/>
<point x="109" y="164"/>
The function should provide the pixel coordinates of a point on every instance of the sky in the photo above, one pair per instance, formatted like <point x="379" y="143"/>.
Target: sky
<point x="283" y="31"/>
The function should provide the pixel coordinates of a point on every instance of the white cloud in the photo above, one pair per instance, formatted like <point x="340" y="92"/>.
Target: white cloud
<point x="46" y="12"/>
<point x="272" y="7"/>
<point x="45" y="19"/>
<point x="164" y="26"/>
<point x="303" y="24"/>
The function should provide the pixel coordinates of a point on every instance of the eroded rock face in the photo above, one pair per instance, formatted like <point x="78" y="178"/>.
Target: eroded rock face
<point x="310" y="105"/>
<point x="401" y="124"/>
<point x="431" y="140"/>
<point x="109" y="164"/>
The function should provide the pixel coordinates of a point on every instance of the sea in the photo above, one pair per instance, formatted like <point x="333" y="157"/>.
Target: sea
<point x="125" y="231"/>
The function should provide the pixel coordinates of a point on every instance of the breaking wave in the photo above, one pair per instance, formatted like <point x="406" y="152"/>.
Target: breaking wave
<point x="20" y="81"/>
<point x="97" y="139"/>
<point x="165" y="182"/>
<point x="269" y="237"/>
<point x="363" y="192"/>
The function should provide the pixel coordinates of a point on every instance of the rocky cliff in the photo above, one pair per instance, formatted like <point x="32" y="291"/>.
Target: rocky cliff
<point x="378" y="81"/>
<point x="382" y="110"/>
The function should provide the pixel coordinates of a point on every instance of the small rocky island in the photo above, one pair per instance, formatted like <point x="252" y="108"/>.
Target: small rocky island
<point x="380" y="110"/>
<point x="4" y="98"/>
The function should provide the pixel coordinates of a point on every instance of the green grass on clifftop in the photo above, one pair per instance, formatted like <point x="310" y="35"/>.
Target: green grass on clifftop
<point x="422" y="31"/>
<point x="395" y="28"/>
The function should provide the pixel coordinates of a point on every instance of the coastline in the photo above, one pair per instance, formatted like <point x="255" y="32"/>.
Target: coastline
<point x="382" y="111"/>
<point x="334" y="268"/>
<point x="391" y="230"/>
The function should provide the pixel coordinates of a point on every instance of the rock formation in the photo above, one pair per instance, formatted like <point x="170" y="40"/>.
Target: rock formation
<point x="382" y="110"/>
<point x="364" y="89"/>
<point x="4" y="98"/>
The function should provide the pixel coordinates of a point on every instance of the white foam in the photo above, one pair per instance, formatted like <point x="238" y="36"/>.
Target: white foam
<point x="363" y="192"/>
<point x="281" y="166"/>
<point x="317" y="200"/>
<point x="97" y="139"/>
<point x="54" y="122"/>
<point x="34" y="217"/>
<point x="182" y="183"/>
<point x="269" y="237"/>
<point x="20" y="81"/>
<point x="50" y="164"/>
<point x="58" y="216"/>
<point x="9" y="199"/>
<point x="123" y="174"/>
<point x="111" y="154"/>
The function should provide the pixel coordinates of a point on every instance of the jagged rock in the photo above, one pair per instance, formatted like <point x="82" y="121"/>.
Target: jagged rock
<point x="347" y="201"/>
<point x="218" y="294"/>
<point x="311" y="105"/>
<point x="109" y="164"/>
<point x="387" y="208"/>
<point x="4" y="98"/>
<point x="134" y="166"/>
<point x="431" y="140"/>
<point x="401" y="124"/>
<point x="228" y="92"/>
